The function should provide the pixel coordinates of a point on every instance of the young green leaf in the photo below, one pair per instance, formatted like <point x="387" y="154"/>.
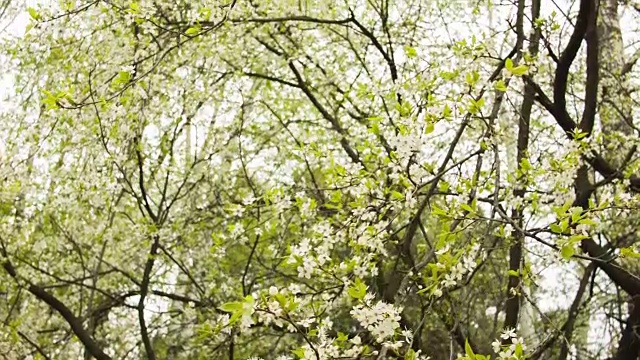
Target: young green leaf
<point x="500" y="86"/>
<point x="34" y="14"/>
<point x="358" y="290"/>
<point x="194" y="30"/>
<point x="508" y="64"/>
<point x="556" y="228"/>
<point x="629" y="252"/>
<point x="411" y="52"/>
<point x="466" y="207"/>
<point x="468" y="351"/>
<point x="429" y="128"/>
<point x="519" y="70"/>
<point x="567" y="251"/>
<point x="232" y="306"/>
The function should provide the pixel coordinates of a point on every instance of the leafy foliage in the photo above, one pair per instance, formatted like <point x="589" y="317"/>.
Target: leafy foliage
<point x="319" y="180"/>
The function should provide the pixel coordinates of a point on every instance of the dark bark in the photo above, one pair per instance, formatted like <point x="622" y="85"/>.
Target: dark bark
<point x="629" y="345"/>
<point x="144" y="290"/>
<point x="512" y="305"/>
<point x="628" y="282"/>
<point x="74" y="322"/>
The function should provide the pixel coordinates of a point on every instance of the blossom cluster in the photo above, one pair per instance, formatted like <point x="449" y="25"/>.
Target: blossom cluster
<point x="406" y="145"/>
<point x="513" y="351"/>
<point x="283" y="308"/>
<point x="381" y="319"/>
<point x="457" y="272"/>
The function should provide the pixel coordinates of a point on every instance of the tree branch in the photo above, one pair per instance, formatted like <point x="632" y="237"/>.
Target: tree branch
<point x="512" y="304"/>
<point x="569" y="54"/>
<point x="74" y="322"/>
<point x="144" y="290"/>
<point x="332" y="120"/>
<point x="569" y="325"/>
<point x="593" y="71"/>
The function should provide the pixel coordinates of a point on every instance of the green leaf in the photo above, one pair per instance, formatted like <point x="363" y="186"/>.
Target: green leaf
<point x="567" y="251"/>
<point x="34" y="14"/>
<point x="475" y="106"/>
<point x="235" y="317"/>
<point x="587" y="222"/>
<point x="520" y="70"/>
<point x="525" y="165"/>
<point x="194" y="30"/>
<point x="358" y="290"/>
<point x="528" y="58"/>
<point x="466" y="207"/>
<point x="469" y="79"/>
<point x="122" y="78"/>
<point x="429" y="128"/>
<point x="249" y="299"/>
<point x="446" y="112"/>
<point x="397" y="195"/>
<point x="410" y="355"/>
<point x="574" y="239"/>
<point x="299" y="353"/>
<point x="449" y="75"/>
<point x="468" y="351"/>
<point x="411" y="52"/>
<point x="281" y="299"/>
<point x="508" y="64"/>
<point x="564" y="225"/>
<point x="438" y="211"/>
<point x="500" y="86"/>
<point x="519" y="350"/>
<point x="205" y="13"/>
<point x="629" y="252"/>
<point x="556" y="228"/>
<point x="578" y="134"/>
<point x="342" y="336"/>
<point x="576" y="214"/>
<point x="404" y="109"/>
<point x="232" y="307"/>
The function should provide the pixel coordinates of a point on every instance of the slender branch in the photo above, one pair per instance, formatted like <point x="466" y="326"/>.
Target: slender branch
<point x="332" y="120"/>
<point x="143" y="192"/>
<point x="574" y="311"/>
<point x="392" y="66"/>
<point x="74" y="322"/>
<point x="512" y="304"/>
<point x="629" y="345"/>
<point x="593" y="71"/>
<point x="393" y="285"/>
<point x="628" y="66"/>
<point x="144" y="290"/>
<point x="570" y="52"/>
<point x="35" y="345"/>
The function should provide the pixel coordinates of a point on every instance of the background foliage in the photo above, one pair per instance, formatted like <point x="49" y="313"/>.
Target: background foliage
<point x="354" y="179"/>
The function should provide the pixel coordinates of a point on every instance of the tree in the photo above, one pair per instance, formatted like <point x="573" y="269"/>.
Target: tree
<point x="347" y="179"/>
